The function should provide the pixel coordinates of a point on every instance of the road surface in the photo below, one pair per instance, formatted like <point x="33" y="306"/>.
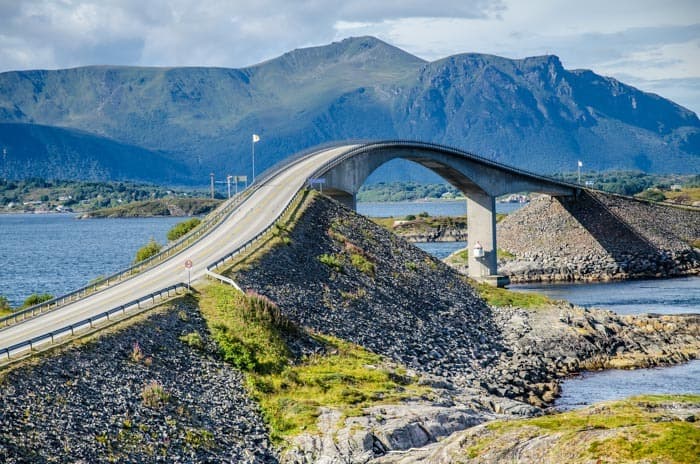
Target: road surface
<point x="250" y="218"/>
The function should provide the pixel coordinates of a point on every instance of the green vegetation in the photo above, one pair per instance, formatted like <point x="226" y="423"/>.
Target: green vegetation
<point x="251" y="333"/>
<point x="180" y="229"/>
<point x="333" y="261"/>
<point x="628" y="182"/>
<point x="503" y="297"/>
<point x="362" y="264"/>
<point x="154" y="395"/>
<point x="638" y="429"/>
<point x="193" y="339"/>
<point x="652" y="194"/>
<point x="423" y="223"/>
<point x="150" y="249"/>
<point x="41" y="194"/>
<point x="405" y="191"/>
<point x="5" y="308"/>
<point x="161" y="207"/>
<point x="35" y="299"/>
<point x="687" y="195"/>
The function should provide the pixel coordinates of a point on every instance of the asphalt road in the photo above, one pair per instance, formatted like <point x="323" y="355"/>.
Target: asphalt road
<point x="251" y="217"/>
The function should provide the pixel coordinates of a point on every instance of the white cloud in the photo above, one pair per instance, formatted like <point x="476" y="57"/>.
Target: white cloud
<point x="644" y="40"/>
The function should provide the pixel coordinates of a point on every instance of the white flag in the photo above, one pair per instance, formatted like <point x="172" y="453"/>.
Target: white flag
<point x="256" y="138"/>
<point x="580" y="163"/>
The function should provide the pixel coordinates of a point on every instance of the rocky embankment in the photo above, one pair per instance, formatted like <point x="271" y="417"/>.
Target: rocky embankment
<point x="136" y="395"/>
<point x="598" y="237"/>
<point x="342" y="275"/>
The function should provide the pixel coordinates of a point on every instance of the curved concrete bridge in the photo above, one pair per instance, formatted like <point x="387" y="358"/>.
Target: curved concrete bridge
<point x="479" y="179"/>
<point x="344" y="168"/>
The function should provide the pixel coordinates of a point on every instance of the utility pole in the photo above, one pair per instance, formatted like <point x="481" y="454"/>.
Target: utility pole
<point x="580" y="164"/>
<point x="256" y="139"/>
<point x="4" y="164"/>
<point x="212" y="184"/>
<point x="228" y="182"/>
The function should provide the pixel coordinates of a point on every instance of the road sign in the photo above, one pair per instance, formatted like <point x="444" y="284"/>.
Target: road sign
<point x="188" y="264"/>
<point x="319" y="180"/>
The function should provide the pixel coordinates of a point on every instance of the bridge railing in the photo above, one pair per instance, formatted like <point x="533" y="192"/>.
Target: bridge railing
<point x="202" y="230"/>
<point x="70" y="330"/>
<point x="245" y="246"/>
<point x="210" y="221"/>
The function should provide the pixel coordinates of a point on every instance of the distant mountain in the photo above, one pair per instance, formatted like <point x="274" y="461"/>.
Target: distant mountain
<point x="531" y="113"/>
<point x="54" y="153"/>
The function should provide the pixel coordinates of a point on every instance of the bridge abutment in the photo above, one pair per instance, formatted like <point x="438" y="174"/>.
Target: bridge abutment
<point x="481" y="223"/>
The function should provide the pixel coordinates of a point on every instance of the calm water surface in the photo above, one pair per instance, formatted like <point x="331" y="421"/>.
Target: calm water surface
<point x="665" y="296"/>
<point x="434" y="208"/>
<point x="57" y="253"/>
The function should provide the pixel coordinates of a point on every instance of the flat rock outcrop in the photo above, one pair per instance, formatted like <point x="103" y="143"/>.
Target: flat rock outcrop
<point x="598" y="237"/>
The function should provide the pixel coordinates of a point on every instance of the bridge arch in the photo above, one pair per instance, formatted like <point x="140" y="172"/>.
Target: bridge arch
<point x="479" y="179"/>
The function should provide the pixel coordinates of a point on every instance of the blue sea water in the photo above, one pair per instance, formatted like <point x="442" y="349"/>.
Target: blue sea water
<point x="57" y="253"/>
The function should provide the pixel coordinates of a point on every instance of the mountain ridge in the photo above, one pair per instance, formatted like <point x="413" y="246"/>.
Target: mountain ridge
<point x="529" y="112"/>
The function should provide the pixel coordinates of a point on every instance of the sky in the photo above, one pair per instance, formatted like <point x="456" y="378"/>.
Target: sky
<point x="652" y="45"/>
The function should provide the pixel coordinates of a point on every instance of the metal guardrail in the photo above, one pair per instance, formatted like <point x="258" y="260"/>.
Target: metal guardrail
<point x="88" y="323"/>
<point x="202" y="230"/>
<point x="250" y="242"/>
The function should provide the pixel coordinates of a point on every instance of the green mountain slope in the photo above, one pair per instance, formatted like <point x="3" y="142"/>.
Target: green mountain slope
<point x="55" y="153"/>
<point x="531" y="113"/>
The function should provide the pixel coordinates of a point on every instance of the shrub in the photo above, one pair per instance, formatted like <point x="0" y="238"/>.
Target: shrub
<point x="332" y="261"/>
<point x="410" y="217"/>
<point x="136" y="354"/>
<point x="150" y="249"/>
<point x="154" y="395"/>
<point x="180" y="229"/>
<point x="362" y="264"/>
<point x="193" y="339"/>
<point x="5" y="307"/>
<point x="36" y="298"/>
<point x="652" y="195"/>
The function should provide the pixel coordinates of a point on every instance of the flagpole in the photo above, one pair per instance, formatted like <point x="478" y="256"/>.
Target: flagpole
<point x="252" y="145"/>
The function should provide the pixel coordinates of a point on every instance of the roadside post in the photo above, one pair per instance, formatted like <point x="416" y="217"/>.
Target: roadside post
<point x="188" y="266"/>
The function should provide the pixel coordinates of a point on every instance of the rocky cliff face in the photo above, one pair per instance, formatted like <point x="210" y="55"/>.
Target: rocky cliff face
<point x="598" y="237"/>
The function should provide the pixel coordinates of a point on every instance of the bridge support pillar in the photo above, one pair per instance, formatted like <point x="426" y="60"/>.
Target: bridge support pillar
<point x="481" y="223"/>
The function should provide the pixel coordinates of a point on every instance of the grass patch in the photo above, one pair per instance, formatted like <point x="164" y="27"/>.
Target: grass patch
<point x="637" y="429"/>
<point x="333" y="261"/>
<point x="250" y="334"/>
<point x="362" y="264"/>
<point x="247" y="329"/>
<point x="504" y="297"/>
<point x="504" y="254"/>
